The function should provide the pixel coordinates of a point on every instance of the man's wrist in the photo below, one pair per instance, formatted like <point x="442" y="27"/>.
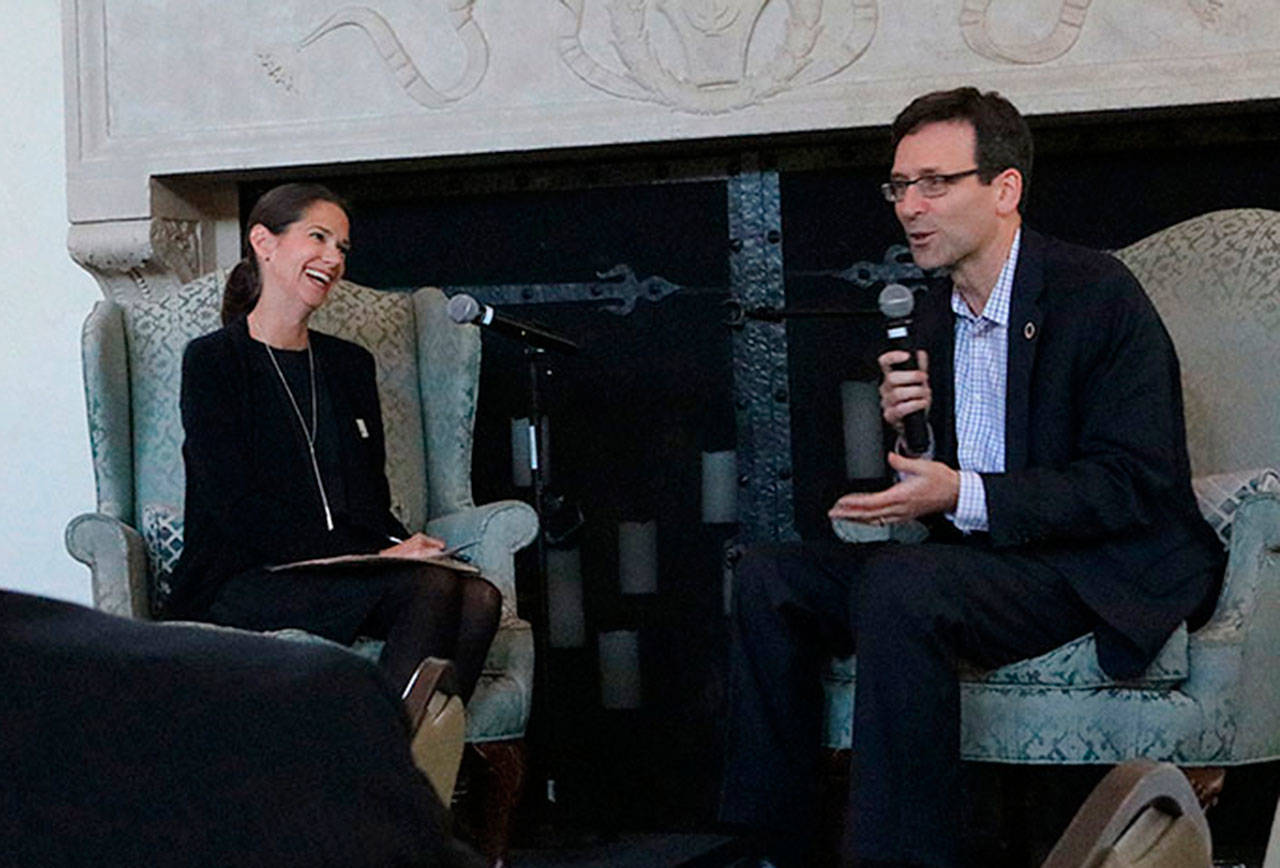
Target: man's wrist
<point x="970" y="512"/>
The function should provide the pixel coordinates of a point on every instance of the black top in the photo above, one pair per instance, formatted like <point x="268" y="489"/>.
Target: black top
<point x="280" y="421"/>
<point x="251" y="493"/>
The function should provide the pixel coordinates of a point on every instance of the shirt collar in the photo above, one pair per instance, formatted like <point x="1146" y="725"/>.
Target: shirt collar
<point x="997" y="309"/>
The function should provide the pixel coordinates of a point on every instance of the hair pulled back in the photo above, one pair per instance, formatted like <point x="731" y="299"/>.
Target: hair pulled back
<point x="277" y="209"/>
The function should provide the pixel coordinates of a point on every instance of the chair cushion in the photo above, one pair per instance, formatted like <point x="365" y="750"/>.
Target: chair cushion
<point x="1073" y="666"/>
<point x="1220" y="495"/>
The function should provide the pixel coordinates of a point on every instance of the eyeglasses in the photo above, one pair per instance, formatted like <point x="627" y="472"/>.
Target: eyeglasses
<point x="930" y="186"/>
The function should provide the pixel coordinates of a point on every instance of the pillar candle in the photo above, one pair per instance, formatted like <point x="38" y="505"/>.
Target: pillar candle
<point x="638" y="557"/>
<point x="720" y="487"/>
<point x="567" y="627"/>
<point x="620" y="669"/>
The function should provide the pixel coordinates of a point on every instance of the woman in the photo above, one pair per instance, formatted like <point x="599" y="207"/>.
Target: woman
<point x="285" y="461"/>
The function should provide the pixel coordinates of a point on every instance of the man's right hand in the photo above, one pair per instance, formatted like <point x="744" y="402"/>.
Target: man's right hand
<point x="903" y="392"/>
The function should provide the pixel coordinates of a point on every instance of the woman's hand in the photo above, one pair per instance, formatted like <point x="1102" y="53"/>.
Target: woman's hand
<point x="417" y="546"/>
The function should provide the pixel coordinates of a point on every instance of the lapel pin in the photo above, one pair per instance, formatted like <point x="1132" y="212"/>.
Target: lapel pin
<point x="1029" y="330"/>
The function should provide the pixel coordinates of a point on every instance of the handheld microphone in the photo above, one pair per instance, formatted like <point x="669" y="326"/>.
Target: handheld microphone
<point x="463" y="309"/>
<point x="897" y="304"/>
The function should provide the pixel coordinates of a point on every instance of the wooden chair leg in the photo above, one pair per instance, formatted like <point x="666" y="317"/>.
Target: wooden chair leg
<point x="495" y="785"/>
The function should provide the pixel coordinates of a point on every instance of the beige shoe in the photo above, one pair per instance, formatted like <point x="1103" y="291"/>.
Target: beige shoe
<point x="438" y="724"/>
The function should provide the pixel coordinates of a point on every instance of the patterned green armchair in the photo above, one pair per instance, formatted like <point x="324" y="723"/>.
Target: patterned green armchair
<point x="1211" y="698"/>
<point x="428" y="372"/>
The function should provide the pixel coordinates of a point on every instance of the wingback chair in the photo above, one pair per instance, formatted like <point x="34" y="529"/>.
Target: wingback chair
<point x="1211" y="698"/>
<point x="428" y="372"/>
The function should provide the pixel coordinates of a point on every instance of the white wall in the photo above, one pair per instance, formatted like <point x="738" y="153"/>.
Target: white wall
<point x="45" y="472"/>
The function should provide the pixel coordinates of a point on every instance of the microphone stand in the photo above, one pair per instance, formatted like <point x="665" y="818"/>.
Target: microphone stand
<point x="550" y="827"/>
<point x="537" y="341"/>
<point x="538" y="361"/>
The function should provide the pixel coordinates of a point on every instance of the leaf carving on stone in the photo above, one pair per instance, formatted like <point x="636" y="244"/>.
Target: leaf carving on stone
<point x="715" y="37"/>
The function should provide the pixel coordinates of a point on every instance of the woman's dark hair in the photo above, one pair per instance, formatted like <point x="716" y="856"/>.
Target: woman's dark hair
<point x="277" y="209"/>
<point x="1002" y="139"/>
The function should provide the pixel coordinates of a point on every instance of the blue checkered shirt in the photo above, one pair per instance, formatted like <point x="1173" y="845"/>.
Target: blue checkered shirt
<point x="981" y="366"/>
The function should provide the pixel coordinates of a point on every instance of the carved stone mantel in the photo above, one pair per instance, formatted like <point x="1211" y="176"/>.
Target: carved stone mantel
<point x="190" y="98"/>
<point x="137" y="257"/>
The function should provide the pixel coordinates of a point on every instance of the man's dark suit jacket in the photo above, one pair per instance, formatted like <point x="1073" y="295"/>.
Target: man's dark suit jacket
<point x="1097" y="479"/>
<point x="252" y="500"/>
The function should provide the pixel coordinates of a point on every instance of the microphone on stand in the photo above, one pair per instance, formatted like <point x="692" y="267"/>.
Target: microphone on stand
<point x="463" y="309"/>
<point x="897" y="304"/>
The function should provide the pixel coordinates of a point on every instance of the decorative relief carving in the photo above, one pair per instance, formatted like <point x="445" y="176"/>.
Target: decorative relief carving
<point x="1208" y="11"/>
<point x="132" y="258"/>
<point x="973" y="24"/>
<point x="715" y="36"/>
<point x="278" y="64"/>
<point x="177" y="244"/>
<point x="1071" y="16"/>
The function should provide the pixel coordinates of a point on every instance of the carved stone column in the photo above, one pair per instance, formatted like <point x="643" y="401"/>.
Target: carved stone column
<point x="138" y="258"/>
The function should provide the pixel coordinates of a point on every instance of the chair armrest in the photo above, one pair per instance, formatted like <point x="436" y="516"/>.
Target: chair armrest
<point x="497" y="530"/>
<point x="117" y="559"/>
<point x="1251" y="585"/>
<point x="1235" y="657"/>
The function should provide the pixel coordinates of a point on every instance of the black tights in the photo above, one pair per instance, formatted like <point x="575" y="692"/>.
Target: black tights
<point x="435" y="612"/>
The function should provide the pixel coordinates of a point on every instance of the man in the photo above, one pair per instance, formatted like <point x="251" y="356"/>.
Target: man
<point x="1056" y="490"/>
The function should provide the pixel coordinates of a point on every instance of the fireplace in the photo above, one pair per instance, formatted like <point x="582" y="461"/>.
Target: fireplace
<point x="521" y="156"/>
<point x="638" y="256"/>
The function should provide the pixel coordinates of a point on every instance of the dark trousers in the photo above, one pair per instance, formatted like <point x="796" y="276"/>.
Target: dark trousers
<point x="911" y="612"/>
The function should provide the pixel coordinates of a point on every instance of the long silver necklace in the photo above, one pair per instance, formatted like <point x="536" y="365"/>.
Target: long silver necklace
<point x="309" y="433"/>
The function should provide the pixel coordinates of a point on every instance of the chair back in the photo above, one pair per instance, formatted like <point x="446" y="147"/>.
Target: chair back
<point x="133" y="378"/>
<point x="1215" y="279"/>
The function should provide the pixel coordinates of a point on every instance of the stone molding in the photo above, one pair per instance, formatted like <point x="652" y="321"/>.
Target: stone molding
<point x="137" y="258"/>
<point x="278" y="64"/>
<point x="205" y="90"/>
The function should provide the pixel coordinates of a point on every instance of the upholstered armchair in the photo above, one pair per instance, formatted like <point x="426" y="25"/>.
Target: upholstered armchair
<point x="428" y="371"/>
<point x="1212" y="697"/>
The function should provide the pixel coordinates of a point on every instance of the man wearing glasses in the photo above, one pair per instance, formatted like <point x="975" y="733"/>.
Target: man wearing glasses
<point x="1056" y="490"/>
